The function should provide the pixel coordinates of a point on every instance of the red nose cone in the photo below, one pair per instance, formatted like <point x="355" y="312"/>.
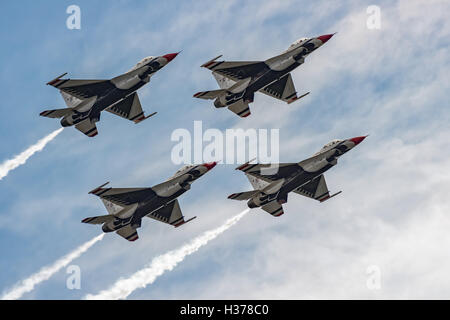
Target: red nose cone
<point x="325" y="37"/>
<point x="210" y="165"/>
<point x="357" y="140"/>
<point x="170" y="56"/>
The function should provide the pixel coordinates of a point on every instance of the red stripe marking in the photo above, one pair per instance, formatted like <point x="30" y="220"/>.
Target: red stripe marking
<point x="179" y="224"/>
<point x="53" y="82"/>
<point x="208" y="64"/>
<point x="243" y="166"/>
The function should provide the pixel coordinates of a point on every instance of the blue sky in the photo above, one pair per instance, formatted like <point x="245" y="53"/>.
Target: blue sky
<point x="390" y="83"/>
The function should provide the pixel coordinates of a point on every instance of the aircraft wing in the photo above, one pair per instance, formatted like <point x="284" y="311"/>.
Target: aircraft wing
<point x="236" y="70"/>
<point x="122" y="196"/>
<point x="128" y="232"/>
<point x="56" y="113"/>
<point x="316" y="189"/>
<point x="274" y="208"/>
<point x="98" y="219"/>
<point x="129" y="108"/>
<point x="170" y="214"/>
<point x="209" y="95"/>
<point x="82" y="89"/>
<point x="282" y="89"/>
<point x="87" y="127"/>
<point x="240" y="108"/>
<point x="269" y="172"/>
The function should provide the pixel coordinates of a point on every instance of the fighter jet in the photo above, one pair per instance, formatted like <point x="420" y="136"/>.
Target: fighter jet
<point x="86" y="99"/>
<point x="239" y="80"/>
<point x="272" y="183"/>
<point x="127" y="206"/>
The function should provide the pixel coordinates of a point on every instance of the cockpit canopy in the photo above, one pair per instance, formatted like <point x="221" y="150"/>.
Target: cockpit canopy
<point x="328" y="146"/>
<point x="142" y="62"/>
<point x="182" y="170"/>
<point x="297" y="43"/>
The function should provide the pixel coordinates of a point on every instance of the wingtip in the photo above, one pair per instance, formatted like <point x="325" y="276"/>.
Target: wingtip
<point x="206" y="64"/>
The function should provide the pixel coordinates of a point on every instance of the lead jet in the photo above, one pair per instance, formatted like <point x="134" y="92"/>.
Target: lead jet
<point x="127" y="206"/>
<point x="239" y="80"/>
<point x="86" y="99"/>
<point x="272" y="183"/>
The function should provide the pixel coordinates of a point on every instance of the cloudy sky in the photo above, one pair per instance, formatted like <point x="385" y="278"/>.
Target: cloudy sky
<point x="391" y="83"/>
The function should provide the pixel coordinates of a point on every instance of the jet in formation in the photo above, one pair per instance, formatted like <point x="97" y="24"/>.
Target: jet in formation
<point x="86" y="99"/>
<point x="127" y="206"/>
<point x="239" y="80"/>
<point x="272" y="183"/>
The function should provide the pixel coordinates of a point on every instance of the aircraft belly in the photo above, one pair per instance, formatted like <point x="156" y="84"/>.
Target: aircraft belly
<point x="156" y="203"/>
<point x="268" y="78"/>
<point x="302" y="179"/>
<point x="115" y="96"/>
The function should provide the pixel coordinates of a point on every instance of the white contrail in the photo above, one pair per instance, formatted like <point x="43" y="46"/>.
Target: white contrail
<point x="45" y="273"/>
<point x="165" y="262"/>
<point x="20" y="159"/>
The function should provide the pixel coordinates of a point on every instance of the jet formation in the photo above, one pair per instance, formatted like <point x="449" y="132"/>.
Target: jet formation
<point x="239" y="80"/>
<point x="86" y="99"/>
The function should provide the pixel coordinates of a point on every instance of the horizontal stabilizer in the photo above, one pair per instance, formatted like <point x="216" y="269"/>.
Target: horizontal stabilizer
<point x="243" y="195"/>
<point x="274" y="208"/>
<point x="98" y="219"/>
<point x="240" y="108"/>
<point x="56" y="113"/>
<point x="128" y="232"/>
<point x="87" y="127"/>
<point x="209" y="95"/>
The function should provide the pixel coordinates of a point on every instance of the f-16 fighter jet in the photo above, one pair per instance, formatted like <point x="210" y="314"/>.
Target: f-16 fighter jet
<point x="239" y="80"/>
<point x="272" y="183"/>
<point x="127" y="206"/>
<point x="86" y="99"/>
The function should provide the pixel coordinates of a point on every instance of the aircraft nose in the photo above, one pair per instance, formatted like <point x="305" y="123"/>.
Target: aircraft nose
<point x="210" y="165"/>
<point x="170" y="56"/>
<point x="357" y="140"/>
<point x="324" y="38"/>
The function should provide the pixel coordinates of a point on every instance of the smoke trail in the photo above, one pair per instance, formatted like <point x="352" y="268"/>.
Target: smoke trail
<point x="165" y="262"/>
<point x="46" y="272"/>
<point x="20" y="159"/>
